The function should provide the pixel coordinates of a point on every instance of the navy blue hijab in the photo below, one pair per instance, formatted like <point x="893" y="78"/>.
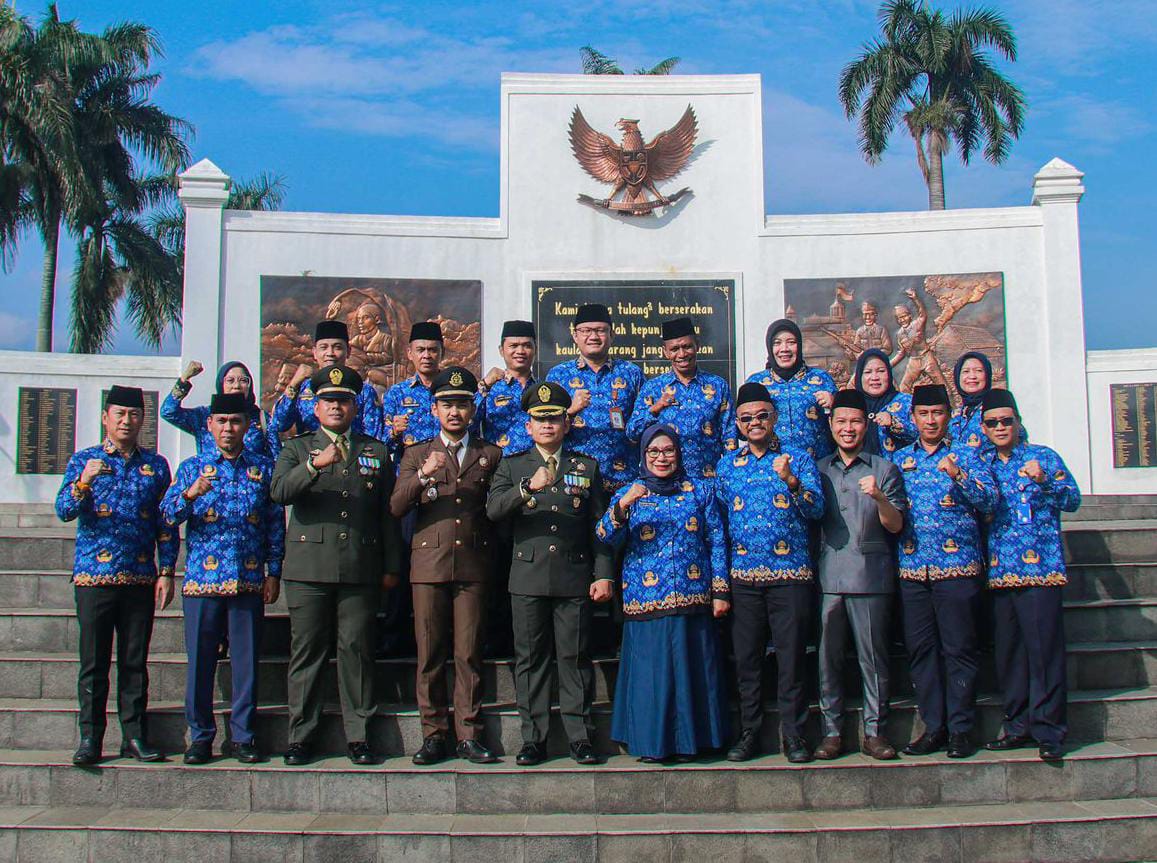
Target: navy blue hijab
<point x="971" y="401"/>
<point x="655" y="484"/>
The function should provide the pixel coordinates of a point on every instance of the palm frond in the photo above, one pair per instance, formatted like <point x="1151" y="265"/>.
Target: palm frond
<point x="595" y="62"/>
<point x="663" y="67"/>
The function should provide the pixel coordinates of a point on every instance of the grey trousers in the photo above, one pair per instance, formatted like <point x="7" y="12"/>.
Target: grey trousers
<point x="866" y="615"/>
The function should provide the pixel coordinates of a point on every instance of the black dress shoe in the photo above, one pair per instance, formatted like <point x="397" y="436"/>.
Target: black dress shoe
<point x="746" y="747"/>
<point x="530" y="754"/>
<point x="927" y="743"/>
<point x="583" y="753"/>
<point x="361" y="754"/>
<point x="88" y="753"/>
<point x="432" y="751"/>
<point x="1010" y="741"/>
<point x="475" y="752"/>
<point x="960" y="745"/>
<point x="298" y="754"/>
<point x="648" y="759"/>
<point x="1051" y="752"/>
<point x="199" y="753"/>
<point x="246" y="753"/>
<point x="137" y="748"/>
<point x="796" y="750"/>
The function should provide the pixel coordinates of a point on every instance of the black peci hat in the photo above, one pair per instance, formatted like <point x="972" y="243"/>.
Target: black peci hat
<point x="677" y="328"/>
<point x="994" y="399"/>
<point x="125" y="397"/>
<point x="930" y="395"/>
<point x="752" y="392"/>
<point x="518" y="330"/>
<point x="229" y="403"/>
<point x="426" y="330"/>
<point x="592" y="313"/>
<point x="850" y="399"/>
<point x="331" y="330"/>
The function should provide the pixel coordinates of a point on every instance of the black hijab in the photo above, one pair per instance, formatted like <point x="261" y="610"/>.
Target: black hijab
<point x="781" y="326"/>
<point x="972" y="400"/>
<point x="875" y="403"/>
<point x="655" y="484"/>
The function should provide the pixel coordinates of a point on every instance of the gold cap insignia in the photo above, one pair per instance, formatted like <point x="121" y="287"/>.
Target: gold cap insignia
<point x="335" y="377"/>
<point x="455" y="379"/>
<point x="544" y="393"/>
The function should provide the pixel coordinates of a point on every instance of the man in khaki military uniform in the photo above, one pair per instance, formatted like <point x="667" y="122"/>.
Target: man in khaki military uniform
<point x="342" y="548"/>
<point x="553" y="498"/>
<point x="445" y="480"/>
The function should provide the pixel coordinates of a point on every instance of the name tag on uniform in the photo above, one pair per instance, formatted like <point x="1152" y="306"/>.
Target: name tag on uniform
<point x="618" y="421"/>
<point x="1023" y="510"/>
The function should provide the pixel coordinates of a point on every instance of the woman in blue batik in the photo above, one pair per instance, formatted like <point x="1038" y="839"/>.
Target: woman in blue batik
<point x="890" y="425"/>
<point x="973" y="378"/>
<point x="669" y="697"/>
<point x="233" y="377"/>
<point x="801" y="393"/>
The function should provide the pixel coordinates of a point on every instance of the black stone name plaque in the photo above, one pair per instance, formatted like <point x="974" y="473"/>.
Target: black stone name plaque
<point x="46" y="431"/>
<point x="1134" y="424"/>
<point x="638" y="309"/>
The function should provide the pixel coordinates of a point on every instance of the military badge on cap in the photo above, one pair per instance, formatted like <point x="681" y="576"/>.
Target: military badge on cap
<point x="454" y="383"/>
<point x="336" y="381"/>
<point x="546" y="400"/>
<point x="335" y="376"/>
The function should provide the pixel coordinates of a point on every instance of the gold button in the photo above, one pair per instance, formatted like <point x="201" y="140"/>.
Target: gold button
<point x="554" y="528"/>
<point x="303" y="537"/>
<point x="520" y="554"/>
<point x="457" y="542"/>
<point x="554" y="507"/>
<point x="457" y="500"/>
<point x="345" y="472"/>
<point x="345" y="515"/>
<point x="457" y="521"/>
<point x="555" y="489"/>
<point x="345" y="494"/>
<point x="343" y="536"/>
<point x="554" y="548"/>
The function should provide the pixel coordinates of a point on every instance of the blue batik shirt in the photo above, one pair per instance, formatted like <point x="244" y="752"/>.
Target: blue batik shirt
<point x="235" y="533"/>
<point x="120" y="534"/>
<point x="767" y="530"/>
<point x="801" y="423"/>
<point x="701" y="413"/>
<point x="260" y="437"/>
<point x="500" y="418"/>
<point x="966" y="427"/>
<point x="298" y="412"/>
<point x="615" y="386"/>
<point x="941" y="535"/>
<point x="1024" y="540"/>
<point x="676" y="551"/>
<point x="411" y="397"/>
<point x="901" y="432"/>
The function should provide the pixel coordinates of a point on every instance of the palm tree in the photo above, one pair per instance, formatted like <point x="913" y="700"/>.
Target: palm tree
<point x="932" y="71"/>
<point x="596" y="63"/>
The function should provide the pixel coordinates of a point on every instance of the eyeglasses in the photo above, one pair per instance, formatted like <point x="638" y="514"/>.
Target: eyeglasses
<point x="587" y="332"/>
<point x="1000" y="422"/>
<point x="663" y="452"/>
<point x="762" y="416"/>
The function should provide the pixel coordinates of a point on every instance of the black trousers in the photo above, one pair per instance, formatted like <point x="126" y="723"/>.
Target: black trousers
<point x="1030" y="661"/>
<point x="943" y="650"/>
<point x="784" y="610"/>
<point x="127" y="612"/>
<point x="553" y="632"/>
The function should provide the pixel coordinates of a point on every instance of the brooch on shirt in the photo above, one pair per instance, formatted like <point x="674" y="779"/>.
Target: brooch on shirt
<point x="254" y="473"/>
<point x="208" y="470"/>
<point x="501" y="401"/>
<point x="708" y="391"/>
<point x="147" y="470"/>
<point x="909" y="463"/>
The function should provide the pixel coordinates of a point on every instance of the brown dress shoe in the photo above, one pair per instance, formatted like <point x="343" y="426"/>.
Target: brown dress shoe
<point x="829" y="748"/>
<point x="878" y="748"/>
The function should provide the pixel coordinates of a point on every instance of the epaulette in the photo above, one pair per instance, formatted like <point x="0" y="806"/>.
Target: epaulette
<point x="581" y="454"/>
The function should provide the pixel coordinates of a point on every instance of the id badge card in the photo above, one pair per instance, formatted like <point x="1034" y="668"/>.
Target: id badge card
<point x="618" y="420"/>
<point x="1023" y="510"/>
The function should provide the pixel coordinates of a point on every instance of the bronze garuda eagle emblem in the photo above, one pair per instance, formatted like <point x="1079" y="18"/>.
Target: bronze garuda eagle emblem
<point x="632" y="166"/>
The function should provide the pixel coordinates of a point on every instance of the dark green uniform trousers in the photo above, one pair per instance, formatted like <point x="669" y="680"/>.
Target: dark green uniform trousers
<point x="315" y="610"/>
<point x="540" y="624"/>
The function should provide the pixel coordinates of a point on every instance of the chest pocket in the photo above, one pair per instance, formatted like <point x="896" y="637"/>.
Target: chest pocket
<point x="308" y="533"/>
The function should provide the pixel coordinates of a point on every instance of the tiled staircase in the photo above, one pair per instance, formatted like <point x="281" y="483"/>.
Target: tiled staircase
<point x="1099" y="804"/>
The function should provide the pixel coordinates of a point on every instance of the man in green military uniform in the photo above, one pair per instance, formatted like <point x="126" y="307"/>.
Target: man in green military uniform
<point x="342" y="548"/>
<point x="553" y="498"/>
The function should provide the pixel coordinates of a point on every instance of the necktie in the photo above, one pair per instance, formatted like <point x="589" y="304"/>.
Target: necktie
<point x="552" y="466"/>
<point x="453" y="450"/>
<point x="342" y="447"/>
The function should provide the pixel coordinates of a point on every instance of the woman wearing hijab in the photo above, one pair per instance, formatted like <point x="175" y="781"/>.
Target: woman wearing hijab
<point x="233" y="377"/>
<point x="801" y="393"/>
<point x="669" y="697"/>
<point x="890" y="425"/>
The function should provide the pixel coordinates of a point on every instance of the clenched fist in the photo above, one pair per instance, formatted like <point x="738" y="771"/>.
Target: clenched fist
<point x="636" y="491"/>
<point x="665" y="401"/>
<point x="1034" y="471"/>
<point x="782" y="466"/>
<point x="93" y="468"/>
<point x="399" y="424"/>
<point x="579" y="401"/>
<point x="949" y="466"/>
<point x="883" y="420"/>
<point x="869" y="487"/>
<point x="494" y="376"/>
<point x="434" y="462"/>
<point x="326" y="457"/>
<point x="191" y="371"/>
<point x="200" y="486"/>
<point x="302" y="373"/>
<point x="541" y="479"/>
<point x="825" y="399"/>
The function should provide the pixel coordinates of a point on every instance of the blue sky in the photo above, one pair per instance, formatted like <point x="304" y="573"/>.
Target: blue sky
<point x="382" y="108"/>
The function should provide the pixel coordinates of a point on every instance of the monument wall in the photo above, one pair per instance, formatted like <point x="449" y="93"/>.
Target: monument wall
<point x="1004" y="279"/>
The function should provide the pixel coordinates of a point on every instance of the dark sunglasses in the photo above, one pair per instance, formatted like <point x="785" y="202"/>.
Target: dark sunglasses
<point x="762" y="416"/>
<point x="1000" y="422"/>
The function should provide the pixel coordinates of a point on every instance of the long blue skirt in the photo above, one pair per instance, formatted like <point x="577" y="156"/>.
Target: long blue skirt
<point x="669" y="696"/>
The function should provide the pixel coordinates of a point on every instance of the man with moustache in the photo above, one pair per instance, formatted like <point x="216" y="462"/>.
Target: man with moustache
<point x="444" y="481"/>
<point x="235" y="542"/>
<point x="603" y="392"/>
<point x="552" y="497"/>
<point x="864" y="504"/>
<point x="295" y="408"/>
<point x="114" y="491"/>
<point x="695" y="403"/>
<point x="342" y="548"/>
<point x="949" y="492"/>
